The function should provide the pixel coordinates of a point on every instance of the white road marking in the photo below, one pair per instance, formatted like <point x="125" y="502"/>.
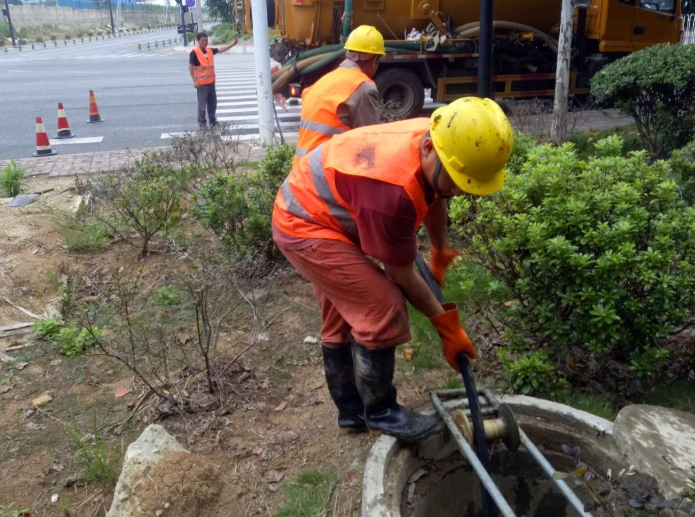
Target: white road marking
<point x="74" y="141"/>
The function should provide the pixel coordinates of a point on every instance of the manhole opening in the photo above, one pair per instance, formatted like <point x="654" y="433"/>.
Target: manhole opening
<point x="450" y="488"/>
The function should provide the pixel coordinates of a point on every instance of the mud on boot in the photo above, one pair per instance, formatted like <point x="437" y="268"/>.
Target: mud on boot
<point x="374" y="375"/>
<point x="340" y="378"/>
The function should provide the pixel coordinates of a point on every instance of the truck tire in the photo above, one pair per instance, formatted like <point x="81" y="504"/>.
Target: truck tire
<point x="403" y="87"/>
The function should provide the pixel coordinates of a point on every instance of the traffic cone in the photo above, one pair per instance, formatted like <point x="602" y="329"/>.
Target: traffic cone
<point x="93" y="110"/>
<point x="63" y="126"/>
<point x="43" y="145"/>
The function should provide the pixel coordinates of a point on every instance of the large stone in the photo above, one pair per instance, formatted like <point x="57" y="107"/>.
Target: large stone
<point x="659" y="442"/>
<point x="142" y="455"/>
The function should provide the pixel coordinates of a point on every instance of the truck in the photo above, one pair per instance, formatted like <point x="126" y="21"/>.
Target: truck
<point x="432" y="44"/>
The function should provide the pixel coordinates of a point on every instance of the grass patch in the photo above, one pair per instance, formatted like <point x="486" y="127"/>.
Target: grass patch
<point x="11" y="179"/>
<point x="677" y="395"/>
<point x="85" y="235"/>
<point x="588" y="402"/>
<point x="308" y="494"/>
<point x="223" y="33"/>
<point x="93" y="458"/>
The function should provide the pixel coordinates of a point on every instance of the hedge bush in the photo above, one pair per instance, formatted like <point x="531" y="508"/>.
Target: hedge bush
<point x="598" y="255"/>
<point x="238" y="208"/>
<point x="656" y="86"/>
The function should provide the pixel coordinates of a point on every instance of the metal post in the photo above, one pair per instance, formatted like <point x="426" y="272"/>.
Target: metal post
<point x="558" y="126"/>
<point x="111" y="16"/>
<point x="485" y="40"/>
<point x="264" y="85"/>
<point x="183" y="25"/>
<point x="9" y="20"/>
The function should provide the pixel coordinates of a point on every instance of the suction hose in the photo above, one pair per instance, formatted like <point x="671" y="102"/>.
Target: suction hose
<point x="305" y="66"/>
<point x="471" y="29"/>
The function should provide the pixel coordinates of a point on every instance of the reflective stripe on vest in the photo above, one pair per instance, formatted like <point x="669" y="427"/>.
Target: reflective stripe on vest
<point x="205" y="72"/>
<point x="320" y="102"/>
<point x="308" y="205"/>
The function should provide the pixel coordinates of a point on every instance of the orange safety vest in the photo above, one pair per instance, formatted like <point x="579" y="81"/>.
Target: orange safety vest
<point x="205" y="73"/>
<point x="319" y="118"/>
<point x="308" y="204"/>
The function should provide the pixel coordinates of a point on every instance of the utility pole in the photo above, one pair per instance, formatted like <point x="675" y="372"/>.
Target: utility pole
<point x="264" y="87"/>
<point x="485" y="41"/>
<point x="183" y="21"/>
<point x="6" y="12"/>
<point x="558" y="126"/>
<point x="113" y="32"/>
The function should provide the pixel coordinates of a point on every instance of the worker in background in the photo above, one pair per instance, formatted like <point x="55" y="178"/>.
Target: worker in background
<point x="345" y="98"/>
<point x="201" y="65"/>
<point x="364" y="194"/>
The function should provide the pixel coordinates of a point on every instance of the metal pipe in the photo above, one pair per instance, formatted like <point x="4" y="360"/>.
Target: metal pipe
<point x="485" y="41"/>
<point x="470" y="455"/>
<point x="264" y="85"/>
<point x="347" y="20"/>
<point x="9" y="21"/>
<point x="550" y="470"/>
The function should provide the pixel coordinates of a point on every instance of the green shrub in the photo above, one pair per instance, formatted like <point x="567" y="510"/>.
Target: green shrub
<point x="48" y="328"/>
<point x="92" y="457"/>
<point x="140" y="202"/>
<point x="682" y="165"/>
<point x="85" y="235"/>
<point x="239" y="208"/>
<point x="533" y="374"/>
<point x="68" y="36"/>
<point x="598" y="255"/>
<point x="4" y="30"/>
<point x="11" y="179"/>
<point x="656" y="86"/>
<point x="71" y="340"/>
<point x="223" y="33"/>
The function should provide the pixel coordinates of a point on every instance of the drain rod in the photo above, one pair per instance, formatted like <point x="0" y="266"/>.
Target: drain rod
<point x="464" y="364"/>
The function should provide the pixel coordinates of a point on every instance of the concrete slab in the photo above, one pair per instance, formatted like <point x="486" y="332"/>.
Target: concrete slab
<point x="659" y="442"/>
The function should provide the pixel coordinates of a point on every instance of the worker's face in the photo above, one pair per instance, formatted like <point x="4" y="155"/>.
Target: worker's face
<point x="372" y="67"/>
<point x="203" y="42"/>
<point x="429" y="161"/>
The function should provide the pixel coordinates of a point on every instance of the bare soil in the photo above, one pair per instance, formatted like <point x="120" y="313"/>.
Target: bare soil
<point x="282" y="421"/>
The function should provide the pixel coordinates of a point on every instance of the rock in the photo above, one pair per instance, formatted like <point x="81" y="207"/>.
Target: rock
<point x="659" y="442"/>
<point x="41" y="400"/>
<point x="139" y="459"/>
<point x="56" y="362"/>
<point x="311" y="340"/>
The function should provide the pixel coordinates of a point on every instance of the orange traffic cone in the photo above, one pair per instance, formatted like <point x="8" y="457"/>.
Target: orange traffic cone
<point x="63" y="126"/>
<point x="93" y="110"/>
<point x="43" y="145"/>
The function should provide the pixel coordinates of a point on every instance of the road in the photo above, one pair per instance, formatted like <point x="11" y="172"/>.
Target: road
<point x="140" y="94"/>
<point x="144" y="96"/>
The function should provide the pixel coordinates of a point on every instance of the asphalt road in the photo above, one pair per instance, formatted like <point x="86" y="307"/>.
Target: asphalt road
<point x="140" y="94"/>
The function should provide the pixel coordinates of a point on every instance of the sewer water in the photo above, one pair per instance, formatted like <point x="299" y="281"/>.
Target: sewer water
<point x="522" y="483"/>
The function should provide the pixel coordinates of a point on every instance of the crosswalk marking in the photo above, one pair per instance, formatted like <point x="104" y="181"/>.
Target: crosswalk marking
<point x="73" y="141"/>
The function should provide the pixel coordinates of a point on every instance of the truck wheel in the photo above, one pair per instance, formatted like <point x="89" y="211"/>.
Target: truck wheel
<point x="402" y="91"/>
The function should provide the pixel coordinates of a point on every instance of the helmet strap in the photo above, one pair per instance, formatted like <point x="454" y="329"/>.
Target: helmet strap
<point x="435" y="180"/>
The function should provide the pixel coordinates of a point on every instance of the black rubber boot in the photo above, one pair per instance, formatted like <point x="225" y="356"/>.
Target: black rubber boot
<point x="374" y="375"/>
<point x="340" y="378"/>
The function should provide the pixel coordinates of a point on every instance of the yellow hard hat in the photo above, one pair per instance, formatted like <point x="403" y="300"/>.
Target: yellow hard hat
<point x="473" y="138"/>
<point x="366" y="39"/>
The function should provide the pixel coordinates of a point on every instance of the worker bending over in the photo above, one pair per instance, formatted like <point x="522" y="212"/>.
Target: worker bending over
<point x="345" y="98"/>
<point x="364" y="194"/>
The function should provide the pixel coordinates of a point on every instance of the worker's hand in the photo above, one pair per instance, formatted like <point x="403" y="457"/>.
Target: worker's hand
<point x="439" y="262"/>
<point x="236" y="40"/>
<point x="195" y="83"/>
<point x="454" y="338"/>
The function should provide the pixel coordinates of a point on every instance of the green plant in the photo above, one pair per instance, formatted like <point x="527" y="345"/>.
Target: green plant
<point x="12" y="178"/>
<point x="71" y="340"/>
<point x="584" y="141"/>
<point x="223" y="33"/>
<point x="597" y="255"/>
<point x="308" y="494"/>
<point x="589" y="402"/>
<point x="238" y="208"/>
<point x="79" y="34"/>
<point x="88" y="234"/>
<point x="13" y="510"/>
<point x="48" y="328"/>
<point x="656" y="86"/>
<point x="143" y="201"/>
<point x="93" y="457"/>
<point x="533" y="374"/>
<point x="167" y="296"/>
<point x="682" y="164"/>
<point x="67" y="36"/>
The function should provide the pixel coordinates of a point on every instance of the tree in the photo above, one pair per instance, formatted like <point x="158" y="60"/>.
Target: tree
<point x="219" y="9"/>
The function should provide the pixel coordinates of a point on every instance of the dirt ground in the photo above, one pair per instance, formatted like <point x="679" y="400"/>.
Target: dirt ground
<point x="282" y="421"/>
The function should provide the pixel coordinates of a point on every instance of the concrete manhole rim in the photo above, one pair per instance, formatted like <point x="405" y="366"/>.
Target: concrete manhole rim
<point x="374" y="500"/>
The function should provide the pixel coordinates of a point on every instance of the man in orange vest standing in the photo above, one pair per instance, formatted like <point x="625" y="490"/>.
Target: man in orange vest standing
<point x="345" y="98"/>
<point x="201" y="65"/>
<point x="364" y="194"/>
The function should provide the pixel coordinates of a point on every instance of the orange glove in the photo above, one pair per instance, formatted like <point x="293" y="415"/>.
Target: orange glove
<point x="454" y="338"/>
<point x="439" y="261"/>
